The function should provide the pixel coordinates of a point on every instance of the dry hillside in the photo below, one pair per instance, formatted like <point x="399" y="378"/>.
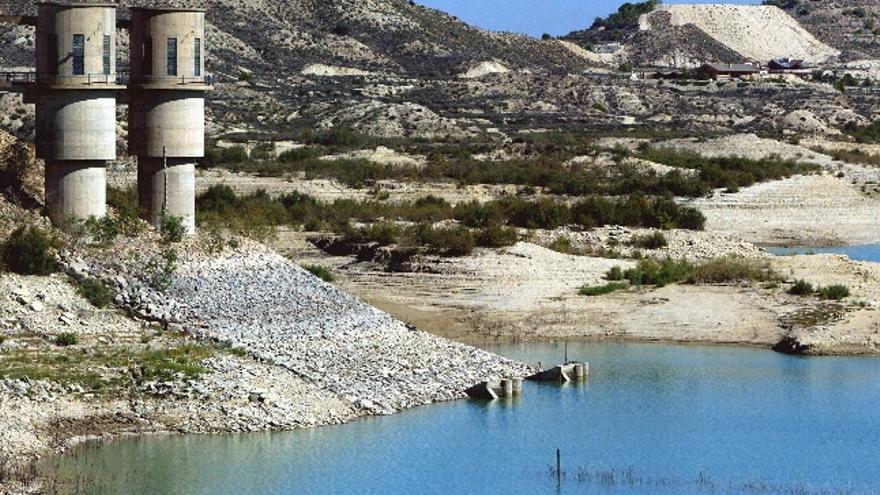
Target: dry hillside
<point x="281" y="36"/>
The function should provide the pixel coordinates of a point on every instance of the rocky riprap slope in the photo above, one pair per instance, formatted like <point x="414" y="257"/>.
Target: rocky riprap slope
<point x="258" y="302"/>
<point x="264" y="304"/>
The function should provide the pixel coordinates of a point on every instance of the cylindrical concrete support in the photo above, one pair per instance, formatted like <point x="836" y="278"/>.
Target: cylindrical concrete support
<point x="517" y="387"/>
<point x="507" y="387"/>
<point x="580" y="371"/>
<point x="76" y="125"/>
<point x="170" y="189"/>
<point x="169" y="123"/>
<point x="75" y="190"/>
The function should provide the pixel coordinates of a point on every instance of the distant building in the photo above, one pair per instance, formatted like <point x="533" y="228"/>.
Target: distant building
<point x="729" y="71"/>
<point x="789" y="66"/>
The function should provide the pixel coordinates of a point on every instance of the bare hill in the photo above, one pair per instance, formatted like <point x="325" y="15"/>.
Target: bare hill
<point x="755" y="31"/>
<point x="853" y="26"/>
<point x="686" y="35"/>
<point x="284" y="36"/>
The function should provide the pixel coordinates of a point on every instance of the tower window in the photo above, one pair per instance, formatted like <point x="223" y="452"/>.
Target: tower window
<point x="198" y="57"/>
<point x="106" y="55"/>
<point x="172" y="56"/>
<point x="79" y="55"/>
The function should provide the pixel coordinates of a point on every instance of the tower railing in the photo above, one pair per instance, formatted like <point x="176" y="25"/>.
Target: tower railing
<point x="119" y="78"/>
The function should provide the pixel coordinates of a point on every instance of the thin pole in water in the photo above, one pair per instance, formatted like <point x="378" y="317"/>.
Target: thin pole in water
<point x="558" y="467"/>
<point x="566" y="353"/>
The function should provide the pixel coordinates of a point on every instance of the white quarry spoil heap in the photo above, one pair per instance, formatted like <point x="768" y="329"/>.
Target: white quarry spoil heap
<point x="264" y="304"/>
<point x="756" y="32"/>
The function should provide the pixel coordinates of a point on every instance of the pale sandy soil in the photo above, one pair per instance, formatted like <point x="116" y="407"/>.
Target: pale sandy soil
<point x="331" y="190"/>
<point x="757" y="32"/>
<point x="527" y="292"/>
<point x="819" y="210"/>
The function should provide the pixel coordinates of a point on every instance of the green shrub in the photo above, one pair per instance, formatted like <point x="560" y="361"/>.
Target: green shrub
<point x="66" y="339"/>
<point x="562" y="244"/>
<point x="448" y="241"/>
<point x="732" y="269"/>
<point x="297" y="155"/>
<point x="127" y="206"/>
<point x="171" y="228"/>
<point x="615" y="274"/>
<point x="864" y="134"/>
<point x="649" y="241"/>
<point x="660" y="274"/>
<point x="834" y="292"/>
<point x="2" y="339"/>
<point x="30" y="250"/>
<point x="600" y="290"/>
<point x="96" y="292"/>
<point x="496" y="236"/>
<point x="801" y="288"/>
<point x="321" y="272"/>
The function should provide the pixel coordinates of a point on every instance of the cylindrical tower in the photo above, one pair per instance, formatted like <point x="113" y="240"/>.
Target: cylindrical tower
<point x="75" y="94"/>
<point x="167" y="108"/>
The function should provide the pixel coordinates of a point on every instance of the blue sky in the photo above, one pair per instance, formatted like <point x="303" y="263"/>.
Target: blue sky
<point x="535" y="17"/>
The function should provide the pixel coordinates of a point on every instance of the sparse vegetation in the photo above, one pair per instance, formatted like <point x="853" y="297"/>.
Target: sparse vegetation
<point x="171" y="228"/>
<point x="864" y="134"/>
<point x="96" y="292"/>
<point x="599" y="290"/>
<point x="627" y="15"/>
<point x="801" y="288"/>
<point x="321" y="272"/>
<point x="834" y="292"/>
<point x="30" y="250"/>
<point x="105" y="369"/>
<point x="656" y="240"/>
<point x="255" y="213"/>
<point x="719" y="271"/>
<point x="66" y="339"/>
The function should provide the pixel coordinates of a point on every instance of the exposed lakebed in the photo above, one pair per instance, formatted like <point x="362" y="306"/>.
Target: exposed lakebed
<point x="661" y="418"/>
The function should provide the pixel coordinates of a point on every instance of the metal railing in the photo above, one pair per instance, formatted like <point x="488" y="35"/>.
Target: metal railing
<point x="120" y="78"/>
<point x="207" y="79"/>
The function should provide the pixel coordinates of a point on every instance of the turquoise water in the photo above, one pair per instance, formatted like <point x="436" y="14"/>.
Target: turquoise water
<point x="745" y="420"/>
<point x="869" y="252"/>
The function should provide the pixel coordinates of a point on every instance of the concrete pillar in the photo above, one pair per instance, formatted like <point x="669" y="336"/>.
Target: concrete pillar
<point x="75" y="190"/>
<point x="517" y="387"/>
<point x="171" y="189"/>
<point x="507" y="387"/>
<point x="580" y="371"/>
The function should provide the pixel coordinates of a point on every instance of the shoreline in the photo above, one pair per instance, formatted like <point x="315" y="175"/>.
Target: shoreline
<point x="97" y="437"/>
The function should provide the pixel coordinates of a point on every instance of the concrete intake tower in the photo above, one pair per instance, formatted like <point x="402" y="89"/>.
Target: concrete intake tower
<point x="75" y="89"/>
<point x="75" y="94"/>
<point x="166" y="123"/>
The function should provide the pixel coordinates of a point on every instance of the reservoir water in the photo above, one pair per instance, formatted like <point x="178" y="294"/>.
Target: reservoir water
<point x="870" y="252"/>
<point x="652" y="419"/>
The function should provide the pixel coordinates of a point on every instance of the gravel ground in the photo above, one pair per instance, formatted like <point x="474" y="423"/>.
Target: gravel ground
<point x="271" y="308"/>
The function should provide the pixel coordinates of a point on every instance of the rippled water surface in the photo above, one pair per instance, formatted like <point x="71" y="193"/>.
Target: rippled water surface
<point x="651" y="419"/>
